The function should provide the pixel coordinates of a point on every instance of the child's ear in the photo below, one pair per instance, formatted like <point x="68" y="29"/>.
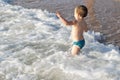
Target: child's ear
<point x="80" y="16"/>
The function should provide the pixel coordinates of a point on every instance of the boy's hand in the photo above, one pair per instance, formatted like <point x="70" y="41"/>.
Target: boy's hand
<point x="58" y="14"/>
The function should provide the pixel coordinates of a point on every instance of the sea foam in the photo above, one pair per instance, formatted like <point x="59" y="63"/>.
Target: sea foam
<point x="34" y="45"/>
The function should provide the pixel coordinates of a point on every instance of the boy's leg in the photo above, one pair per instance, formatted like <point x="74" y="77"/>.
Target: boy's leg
<point x="75" y="50"/>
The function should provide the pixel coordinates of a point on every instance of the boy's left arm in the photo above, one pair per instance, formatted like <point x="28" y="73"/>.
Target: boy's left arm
<point x="66" y="22"/>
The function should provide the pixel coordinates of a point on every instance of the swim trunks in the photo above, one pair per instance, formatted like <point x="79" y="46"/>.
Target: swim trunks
<point x="80" y="43"/>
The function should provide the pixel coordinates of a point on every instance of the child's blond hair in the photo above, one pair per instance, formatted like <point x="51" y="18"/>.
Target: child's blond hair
<point x="81" y="10"/>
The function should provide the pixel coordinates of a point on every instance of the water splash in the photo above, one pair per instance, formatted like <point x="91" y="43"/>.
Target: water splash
<point x="34" y="46"/>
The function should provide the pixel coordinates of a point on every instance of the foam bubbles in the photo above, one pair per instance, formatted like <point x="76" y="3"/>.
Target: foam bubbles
<point x="34" y="45"/>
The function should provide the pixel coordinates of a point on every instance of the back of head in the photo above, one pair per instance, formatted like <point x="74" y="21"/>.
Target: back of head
<point x="81" y="10"/>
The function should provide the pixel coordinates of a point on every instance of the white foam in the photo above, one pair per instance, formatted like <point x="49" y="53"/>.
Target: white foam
<point x="34" y="45"/>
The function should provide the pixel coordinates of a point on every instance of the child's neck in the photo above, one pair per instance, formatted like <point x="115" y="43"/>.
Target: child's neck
<point x="79" y="19"/>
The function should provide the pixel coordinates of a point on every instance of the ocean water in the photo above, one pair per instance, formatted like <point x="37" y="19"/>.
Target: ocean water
<point x="34" y="45"/>
<point x="103" y="15"/>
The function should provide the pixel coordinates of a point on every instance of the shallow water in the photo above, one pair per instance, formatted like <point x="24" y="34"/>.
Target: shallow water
<point x="103" y="15"/>
<point x="34" y="45"/>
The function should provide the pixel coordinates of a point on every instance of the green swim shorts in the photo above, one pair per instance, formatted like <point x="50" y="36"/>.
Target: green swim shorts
<point x="80" y="43"/>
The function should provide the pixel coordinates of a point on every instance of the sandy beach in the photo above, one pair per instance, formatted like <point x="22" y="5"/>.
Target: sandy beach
<point x="103" y="15"/>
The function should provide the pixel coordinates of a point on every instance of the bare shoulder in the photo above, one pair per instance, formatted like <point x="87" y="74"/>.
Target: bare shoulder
<point x="75" y="22"/>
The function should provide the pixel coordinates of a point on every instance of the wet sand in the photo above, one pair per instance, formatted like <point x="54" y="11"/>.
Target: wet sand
<point x="104" y="15"/>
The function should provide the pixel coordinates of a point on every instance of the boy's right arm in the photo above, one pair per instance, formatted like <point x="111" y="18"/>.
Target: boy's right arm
<point x="64" y="20"/>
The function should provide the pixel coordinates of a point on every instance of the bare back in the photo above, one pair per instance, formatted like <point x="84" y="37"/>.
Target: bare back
<point x="77" y="30"/>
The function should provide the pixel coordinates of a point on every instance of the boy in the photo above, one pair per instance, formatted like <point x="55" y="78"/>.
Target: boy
<point x="79" y="26"/>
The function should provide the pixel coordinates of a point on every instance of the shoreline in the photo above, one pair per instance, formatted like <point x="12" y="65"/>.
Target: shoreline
<point x="103" y="25"/>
